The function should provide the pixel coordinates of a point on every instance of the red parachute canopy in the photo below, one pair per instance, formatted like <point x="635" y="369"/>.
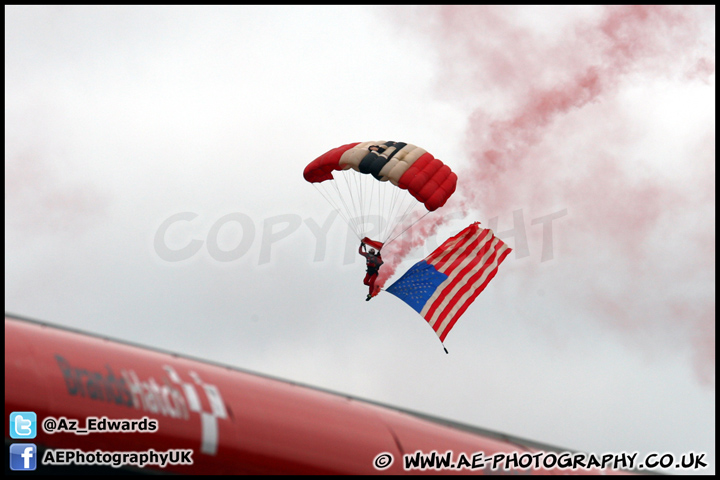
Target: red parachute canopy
<point x="406" y="166"/>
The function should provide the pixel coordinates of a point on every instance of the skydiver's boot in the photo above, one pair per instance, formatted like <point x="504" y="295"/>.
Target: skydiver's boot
<point x="368" y="298"/>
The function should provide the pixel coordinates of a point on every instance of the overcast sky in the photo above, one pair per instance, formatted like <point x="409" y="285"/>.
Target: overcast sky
<point x="584" y="136"/>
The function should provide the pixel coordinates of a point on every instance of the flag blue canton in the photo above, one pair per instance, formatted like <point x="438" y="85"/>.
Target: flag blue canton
<point x="417" y="285"/>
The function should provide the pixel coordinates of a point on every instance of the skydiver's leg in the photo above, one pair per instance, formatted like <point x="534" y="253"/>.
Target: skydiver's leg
<point x="371" y="283"/>
<point x="367" y="279"/>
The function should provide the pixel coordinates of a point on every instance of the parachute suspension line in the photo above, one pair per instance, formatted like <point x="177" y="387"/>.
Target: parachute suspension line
<point x="413" y="223"/>
<point x="391" y="212"/>
<point x="371" y="197"/>
<point x="384" y="223"/>
<point x="349" y="187"/>
<point x="353" y="209"/>
<point x="395" y="194"/>
<point x="346" y="211"/>
<point x="402" y="203"/>
<point x="385" y="214"/>
<point x="410" y="207"/>
<point x="367" y="201"/>
<point x="382" y="194"/>
<point x="322" y="189"/>
<point x="349" y="210"/>
<point x="335" y="206"/>
<point x="355" y="194"/>
<point x="356" y="199"/>
<point x="368" y="184"/>
<point x="366" y="187"/>
<point x="358" y="195"/>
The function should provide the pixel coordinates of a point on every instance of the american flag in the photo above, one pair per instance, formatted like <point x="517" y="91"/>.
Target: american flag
<point x="444" y="284"/>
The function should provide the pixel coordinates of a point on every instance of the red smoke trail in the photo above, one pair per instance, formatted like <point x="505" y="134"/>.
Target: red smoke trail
<point x="551" y="131"/>
<point x="37" y="201"/>
<point x="416" y="236"/>
<point x="626" y="40"/>
<point x="623" y="41"/>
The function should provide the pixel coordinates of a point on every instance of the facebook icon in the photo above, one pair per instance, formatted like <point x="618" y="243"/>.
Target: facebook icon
<point x="23" y="456"/>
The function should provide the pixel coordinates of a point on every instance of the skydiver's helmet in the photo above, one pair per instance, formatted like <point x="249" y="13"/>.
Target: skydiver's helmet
<point x="372" y="251"/>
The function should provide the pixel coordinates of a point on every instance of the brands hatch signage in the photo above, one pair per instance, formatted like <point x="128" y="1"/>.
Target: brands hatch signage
<point x="173" y="397"/>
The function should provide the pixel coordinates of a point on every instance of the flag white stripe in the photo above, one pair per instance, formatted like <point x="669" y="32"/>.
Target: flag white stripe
<point x="453" y="250"/>
<point x="470" y="257"/>
<point x="457" y="282"/>
<point x="449" y="268"/>
<point x="460" y="301"/>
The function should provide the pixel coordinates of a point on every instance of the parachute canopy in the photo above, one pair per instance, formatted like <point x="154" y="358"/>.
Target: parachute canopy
<point x="368" y="184"/>
<point x="404" y="165"/>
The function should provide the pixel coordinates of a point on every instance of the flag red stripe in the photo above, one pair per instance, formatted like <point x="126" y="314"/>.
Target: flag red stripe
<point x="448" y="298"/>
<point x="445" y="249"/>
<point x="475" y="258"/>
<point x="463" y="253"/>
<point x="470" y="260"/>
<point x="460" y="255"/>
<point x="449" y="314"/>
<point x="450" y="245"/>
<point x="468" y="301"/>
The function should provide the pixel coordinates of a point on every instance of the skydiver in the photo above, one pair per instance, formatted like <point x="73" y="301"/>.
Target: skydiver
<point x="373" y="261"/>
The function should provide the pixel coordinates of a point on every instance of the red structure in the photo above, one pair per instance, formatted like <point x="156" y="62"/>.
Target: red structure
<point x="235" y="422"/>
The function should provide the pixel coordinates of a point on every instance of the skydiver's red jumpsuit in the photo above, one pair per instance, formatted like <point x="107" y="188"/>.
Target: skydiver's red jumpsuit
<point x="373" y="263"/>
